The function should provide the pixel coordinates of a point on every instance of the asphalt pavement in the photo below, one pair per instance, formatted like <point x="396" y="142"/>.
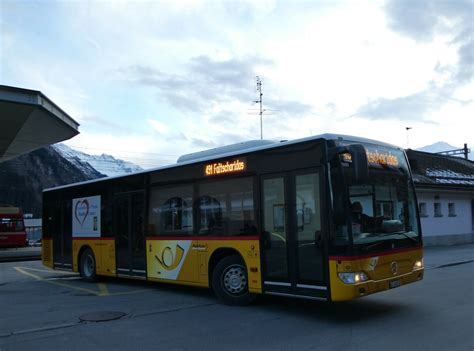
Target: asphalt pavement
<point x="49" y="310"/>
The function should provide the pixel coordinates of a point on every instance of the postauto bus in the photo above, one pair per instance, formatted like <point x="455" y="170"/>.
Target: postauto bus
<point x="329" y="217"/>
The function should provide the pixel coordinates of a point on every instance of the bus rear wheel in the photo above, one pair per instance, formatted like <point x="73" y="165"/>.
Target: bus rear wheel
<point x="230" y="281"/>
<point x="87" y="266"/>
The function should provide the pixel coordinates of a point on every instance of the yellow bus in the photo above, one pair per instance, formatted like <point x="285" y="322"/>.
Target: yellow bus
<point x="329" y="217"/>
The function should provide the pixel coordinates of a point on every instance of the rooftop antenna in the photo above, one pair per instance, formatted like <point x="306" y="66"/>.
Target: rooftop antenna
<point x="408" y="142"/>
<point x="259" y="101"/>
<point x="261" y="111"/>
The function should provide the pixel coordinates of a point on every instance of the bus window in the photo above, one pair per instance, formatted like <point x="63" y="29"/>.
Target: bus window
<point x="175" y="215"/>
<point x="171" y="210"/>
<point x="11" y="225"/>
<point x="209" y="214"/>
<point x="225" y="207"/>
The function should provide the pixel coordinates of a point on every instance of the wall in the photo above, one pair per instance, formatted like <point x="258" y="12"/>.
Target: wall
<point x="446" y="229"/>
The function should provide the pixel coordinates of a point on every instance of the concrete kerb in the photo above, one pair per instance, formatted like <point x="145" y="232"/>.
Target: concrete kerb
<point x="20" y="254"/>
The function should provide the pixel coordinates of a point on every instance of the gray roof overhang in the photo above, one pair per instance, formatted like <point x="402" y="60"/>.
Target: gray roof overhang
<point x="29" y="121"/>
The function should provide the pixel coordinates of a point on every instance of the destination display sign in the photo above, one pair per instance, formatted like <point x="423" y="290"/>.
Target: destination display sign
<point x="379" y="156"/>
<point x="225" y="167"/>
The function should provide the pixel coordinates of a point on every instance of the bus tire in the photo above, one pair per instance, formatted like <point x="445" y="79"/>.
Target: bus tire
<point x="230" y="282"/>
<point x="87" y="265"/>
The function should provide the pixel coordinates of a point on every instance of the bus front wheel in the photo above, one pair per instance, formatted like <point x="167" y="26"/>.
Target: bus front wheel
<point x="87" y="265"/>
<point x="230" y="281"/>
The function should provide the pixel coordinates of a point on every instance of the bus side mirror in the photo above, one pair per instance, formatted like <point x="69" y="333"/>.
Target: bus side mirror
<point x="359" y="160"/>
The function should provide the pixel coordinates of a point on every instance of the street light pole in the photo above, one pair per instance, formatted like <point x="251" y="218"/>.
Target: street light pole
<point x="259" y="101"/>
<point x="408" y="141"/>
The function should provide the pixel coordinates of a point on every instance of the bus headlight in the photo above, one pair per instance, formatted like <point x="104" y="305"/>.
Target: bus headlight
<point x="418" y="264"/>
<point x="353" y="278"/>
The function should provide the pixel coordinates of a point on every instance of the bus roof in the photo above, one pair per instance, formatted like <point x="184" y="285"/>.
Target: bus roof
<point x="233" y="150"/>
<point x="10" y="210"/>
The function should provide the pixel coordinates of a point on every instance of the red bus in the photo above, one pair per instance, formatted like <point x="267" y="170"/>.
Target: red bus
<point x="12" y="227"/>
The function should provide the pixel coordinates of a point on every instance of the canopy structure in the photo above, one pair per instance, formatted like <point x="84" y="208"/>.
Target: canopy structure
<point x="29" y="121"/>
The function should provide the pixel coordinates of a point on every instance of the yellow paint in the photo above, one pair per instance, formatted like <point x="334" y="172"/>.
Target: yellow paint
<point x="250" y="252"/>
<point x="54" y="282"/>
<point x="103" y="291"/>
<point x="379" y="271"/>
<point x="102" y="288"/>
<point x="169" y="260"/>
<point x="47" y="252"/>
<point x="104" y="253"/>
<point x="44" y="270"/>
<point x="173" y="260"/>
<point x="186" y="261"/>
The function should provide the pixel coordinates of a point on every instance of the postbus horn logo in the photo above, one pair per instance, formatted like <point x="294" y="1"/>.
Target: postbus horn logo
<point x="81" y="211"/>
<point x="169" y="261"/>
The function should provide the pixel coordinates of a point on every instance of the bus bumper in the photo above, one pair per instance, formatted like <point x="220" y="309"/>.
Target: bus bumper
<point x="343" y="292"/>
<point x="375" y="273"/>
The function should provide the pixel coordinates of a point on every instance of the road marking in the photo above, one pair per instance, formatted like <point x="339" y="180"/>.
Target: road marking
<point x="19" y="269"/>
<point x="103" y="290"/>
<point x="46" y="270"/>
<point x="38" y="278"/>
<point x="129" y="292"/>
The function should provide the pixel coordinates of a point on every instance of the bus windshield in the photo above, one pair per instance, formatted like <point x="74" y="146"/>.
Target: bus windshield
<point x="382" y="208"/>
<point x="11" y="225"/>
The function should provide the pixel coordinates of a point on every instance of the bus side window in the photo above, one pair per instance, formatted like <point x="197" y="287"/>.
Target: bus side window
<point x="171" y="211"/>
<point x="209" y="215"/>
<point x="225" y="207"/>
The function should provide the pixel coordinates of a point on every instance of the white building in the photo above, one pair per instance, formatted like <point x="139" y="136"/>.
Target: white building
<point x="445" y="192"/>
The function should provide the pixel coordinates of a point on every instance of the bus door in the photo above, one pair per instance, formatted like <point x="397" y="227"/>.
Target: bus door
<point x="60" y="218"/>
<point x="292" y="234"/>
<point x="129" y="234"/>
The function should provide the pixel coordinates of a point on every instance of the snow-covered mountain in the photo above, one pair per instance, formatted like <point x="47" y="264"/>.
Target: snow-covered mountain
<point x="442" y="146"/>
<point x="438" y="147"/>
<point x="23" y="179"/>
<point x="105" y="164"/>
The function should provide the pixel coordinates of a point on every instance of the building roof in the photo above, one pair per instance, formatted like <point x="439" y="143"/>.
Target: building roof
<point x="29" y="121"/>
<point x="435" y="170"/>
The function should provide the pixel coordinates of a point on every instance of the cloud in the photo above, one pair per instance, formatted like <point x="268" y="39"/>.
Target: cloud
<point x="202" y="143"/>
<point x="407" y="108"/>
<point x="289" y="107"/>
<point x="465" y="71"/>
<point x="205" y="82"/>
<point x="224" y="117"/>
<point x="101" y="122"/>
<point x="422" y="20"/>
<point x="425" y="21"/>
<point x="157" y="126"/>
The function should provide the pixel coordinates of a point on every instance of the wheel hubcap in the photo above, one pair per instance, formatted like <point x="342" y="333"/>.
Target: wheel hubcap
<point x="234" y="279"/>
<point x="88" y="265"/>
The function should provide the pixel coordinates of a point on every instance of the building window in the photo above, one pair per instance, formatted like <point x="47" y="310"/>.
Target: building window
<point x="423" y="212"/>
<point x="384" y="209"/>
<point x="452" y="209"/>
<point x="437" y="209"/>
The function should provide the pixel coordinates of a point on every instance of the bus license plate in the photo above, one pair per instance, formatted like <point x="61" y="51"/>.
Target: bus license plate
<point x="394" y="284"/>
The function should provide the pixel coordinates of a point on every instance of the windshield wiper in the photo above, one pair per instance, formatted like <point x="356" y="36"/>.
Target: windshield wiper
<point x="405" y="235"/>
<point x="368" y="247"/>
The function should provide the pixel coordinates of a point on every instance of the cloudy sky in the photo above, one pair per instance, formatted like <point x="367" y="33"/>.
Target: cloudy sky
<point x="150" y="80"/>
